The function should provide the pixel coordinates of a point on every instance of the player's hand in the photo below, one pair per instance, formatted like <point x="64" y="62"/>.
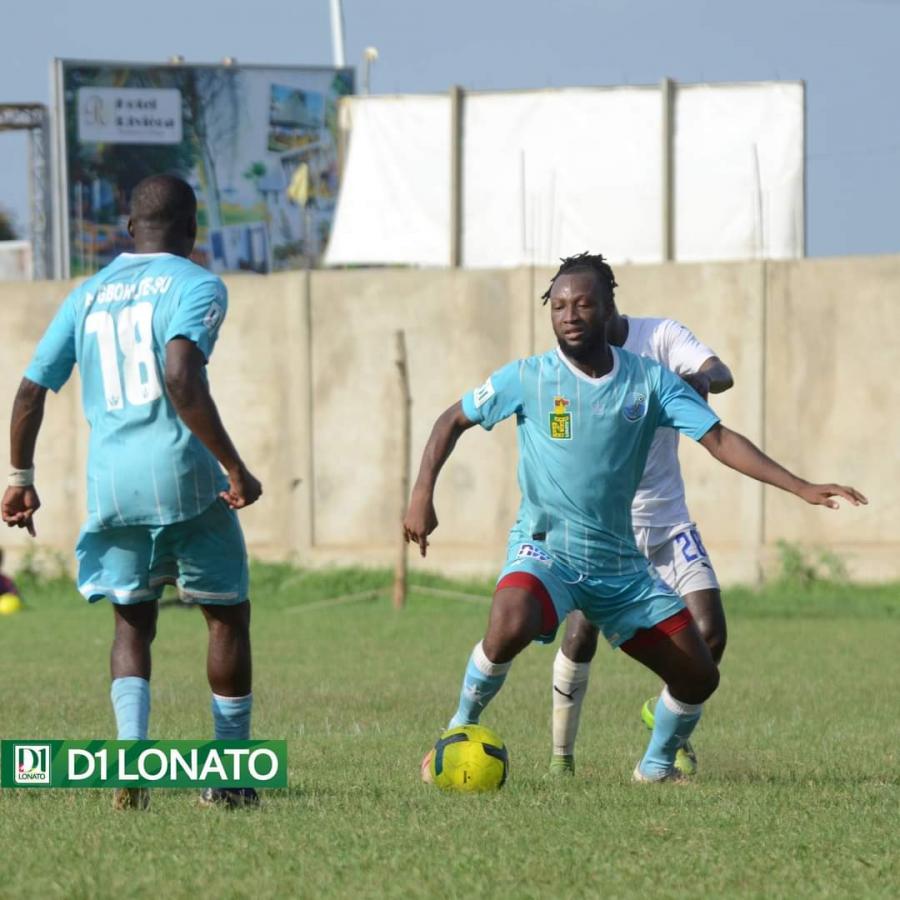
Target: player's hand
<point x="243" y="488"/>
<point x="699" y="382"/>
<point x="822" y="494"/>
<point x="19" y="506"/>
<point x="420" y="520"/>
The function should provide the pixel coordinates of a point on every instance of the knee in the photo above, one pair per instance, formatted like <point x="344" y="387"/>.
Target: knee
<point x="698" y="685"/>
<point x="704" y="683"/>
<point x="501" y="645"/>
<point x="510" y="632"/>
<point x="580" y="641"/>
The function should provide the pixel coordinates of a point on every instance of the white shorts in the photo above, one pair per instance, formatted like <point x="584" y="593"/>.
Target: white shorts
<point x="679" y="556"/>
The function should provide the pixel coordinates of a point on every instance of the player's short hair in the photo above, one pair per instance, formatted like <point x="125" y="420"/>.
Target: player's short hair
<point x="585" y="262"/>
<point x="163" y="203"/>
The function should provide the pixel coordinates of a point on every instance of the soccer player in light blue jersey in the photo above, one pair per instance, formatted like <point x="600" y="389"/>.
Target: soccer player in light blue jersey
<point x="586" y="414"/>
<point x="160" y="508"/>
<point x="663" y="530"/>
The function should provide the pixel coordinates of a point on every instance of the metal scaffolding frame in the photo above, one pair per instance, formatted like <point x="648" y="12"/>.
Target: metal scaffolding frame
<point x="34" y="118"/>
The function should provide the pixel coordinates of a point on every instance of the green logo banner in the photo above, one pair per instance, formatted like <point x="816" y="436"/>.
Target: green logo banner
<point x="150" y="764"/>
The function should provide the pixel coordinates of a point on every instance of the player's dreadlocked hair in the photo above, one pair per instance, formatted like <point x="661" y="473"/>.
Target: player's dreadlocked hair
<point x="584" y="262"/>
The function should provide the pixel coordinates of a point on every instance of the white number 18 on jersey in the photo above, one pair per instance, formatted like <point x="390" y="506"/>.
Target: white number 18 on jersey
<point x="133" y="326"/>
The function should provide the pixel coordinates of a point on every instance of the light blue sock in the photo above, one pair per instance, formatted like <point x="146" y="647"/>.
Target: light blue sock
<point x="231" y="717"/>
<point x="673" y="722"/>
<point x="131" y="704"/>
<point x="482" y="681"/>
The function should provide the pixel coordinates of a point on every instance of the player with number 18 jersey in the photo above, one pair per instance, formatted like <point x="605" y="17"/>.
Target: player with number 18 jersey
<point x="145" y="467"/>
<point x="164" y="479"/>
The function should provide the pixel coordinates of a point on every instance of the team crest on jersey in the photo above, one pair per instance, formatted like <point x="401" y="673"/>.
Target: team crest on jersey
<point x="635" y="407"/>
<point x="561" y="420"/>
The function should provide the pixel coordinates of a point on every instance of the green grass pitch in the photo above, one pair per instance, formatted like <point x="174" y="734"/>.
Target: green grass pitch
<point x="798" y="795"/>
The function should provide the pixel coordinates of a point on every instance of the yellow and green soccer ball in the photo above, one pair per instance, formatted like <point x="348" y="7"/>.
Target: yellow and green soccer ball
<point x="10" y="604"/>
<point x="469" y="759"/>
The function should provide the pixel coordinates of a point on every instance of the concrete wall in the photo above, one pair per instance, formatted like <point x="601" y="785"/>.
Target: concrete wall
<point x="833" y="402"/>
<point x="306" y="381"/>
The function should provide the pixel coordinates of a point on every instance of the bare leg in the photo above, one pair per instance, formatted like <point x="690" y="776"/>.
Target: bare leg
<point x="228" y="661"/>
<point x="229" y="669"/>
<point x="515" y="621"/>
<point x="130" y="666"/>
<point x="684" y="663"/>
<point x="706" y="608"/>
<point x="135" y="629"/>
<point x="580" y="641"/>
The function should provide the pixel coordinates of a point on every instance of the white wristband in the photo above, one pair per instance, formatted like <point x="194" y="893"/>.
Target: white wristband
<point x="21" y="477"/>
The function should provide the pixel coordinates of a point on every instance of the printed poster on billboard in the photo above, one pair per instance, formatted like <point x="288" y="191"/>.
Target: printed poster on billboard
<point x="258" y="144"/>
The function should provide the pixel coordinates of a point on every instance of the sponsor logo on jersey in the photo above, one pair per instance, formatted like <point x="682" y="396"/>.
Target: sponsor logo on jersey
<point x="635" y="407"/>
<point x="529" y="551"/>
<point x="561" y="420"/>
<point x="213" y="317"/>
<point x="482" y="394"/>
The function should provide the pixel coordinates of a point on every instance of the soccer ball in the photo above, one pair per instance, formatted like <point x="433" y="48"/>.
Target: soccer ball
<point x="9" y="604"/>
<point x="470" y="759"/>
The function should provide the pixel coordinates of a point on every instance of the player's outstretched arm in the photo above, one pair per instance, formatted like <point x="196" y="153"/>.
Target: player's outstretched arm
<point x="20" y="501"/>
<point x="739" y="453"/>
<point x="189" y="392"/>
<point x="421" y="519"/>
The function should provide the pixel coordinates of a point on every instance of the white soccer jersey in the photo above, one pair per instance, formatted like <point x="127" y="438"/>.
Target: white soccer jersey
<point x="659" y="500"/>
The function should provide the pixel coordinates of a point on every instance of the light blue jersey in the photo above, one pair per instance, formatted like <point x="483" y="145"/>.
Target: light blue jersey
<point x="145" y="467"/>
<point x="583" y="443"/>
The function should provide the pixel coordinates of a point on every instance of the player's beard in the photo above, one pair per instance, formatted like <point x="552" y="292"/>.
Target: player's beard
<point x="585" y="351"/>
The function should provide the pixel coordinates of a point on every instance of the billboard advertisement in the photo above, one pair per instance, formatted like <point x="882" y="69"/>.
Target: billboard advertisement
<point x="258" y="144"/>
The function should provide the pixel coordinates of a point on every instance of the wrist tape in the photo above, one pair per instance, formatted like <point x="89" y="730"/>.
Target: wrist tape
<point x="21" y="477"/>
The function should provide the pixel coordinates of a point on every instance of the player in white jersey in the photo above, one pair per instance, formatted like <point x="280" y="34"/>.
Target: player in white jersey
<point x="663" y="530"/>
<point x="586" y="414"/>
<point x="160" y="508"/>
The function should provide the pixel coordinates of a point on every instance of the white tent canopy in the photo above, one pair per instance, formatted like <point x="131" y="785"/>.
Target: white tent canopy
<point x="552" y="172"/>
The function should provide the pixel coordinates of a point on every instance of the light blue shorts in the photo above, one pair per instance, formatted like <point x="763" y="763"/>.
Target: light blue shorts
<point x="205" y="556"/>
<point x="619" y="606"/>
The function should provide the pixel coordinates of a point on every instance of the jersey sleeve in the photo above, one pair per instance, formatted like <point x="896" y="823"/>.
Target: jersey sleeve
<point x="684" y="352"/>
<point x="199" y="315"/>
<point x="495" y="400"/>
<point x="54" y="357"/>
<point x="682" y="408"/>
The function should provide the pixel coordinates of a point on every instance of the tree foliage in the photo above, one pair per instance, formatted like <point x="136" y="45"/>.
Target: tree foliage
<point x="7" y="229"/>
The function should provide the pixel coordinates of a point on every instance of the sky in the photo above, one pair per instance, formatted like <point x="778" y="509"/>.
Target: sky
<point x="845" y="51"/>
